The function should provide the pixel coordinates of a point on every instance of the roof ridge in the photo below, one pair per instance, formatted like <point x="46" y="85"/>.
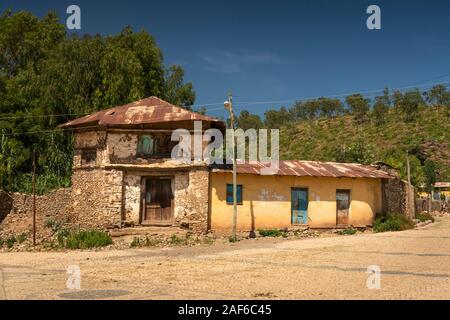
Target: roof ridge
<point x="167" y="111"/>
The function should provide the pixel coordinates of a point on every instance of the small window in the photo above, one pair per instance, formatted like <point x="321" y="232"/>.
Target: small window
<point x="88" y="156"/>
<point x="230" y="194"/>
<point x="147" y="145"/>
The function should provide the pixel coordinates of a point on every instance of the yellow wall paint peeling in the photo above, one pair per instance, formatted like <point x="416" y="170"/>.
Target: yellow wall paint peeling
<point x="267" y="200"/>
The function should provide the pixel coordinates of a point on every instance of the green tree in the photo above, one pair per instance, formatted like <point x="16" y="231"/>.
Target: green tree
<point x="429" y="170"/>
<point x="277" y="118"/>
<point x="176" y="91"/>
<point x="359" y="151"/>
<point x="13" y="156"/>
<point x="45" y="72"/>
<point x="409" y="103"/>
<point x="438" y="95"/>
<point x="246" y="120"/>
<point x="359" y="106"/>
<point x="381" y="108"/>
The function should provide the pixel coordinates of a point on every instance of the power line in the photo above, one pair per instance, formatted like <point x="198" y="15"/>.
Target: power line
<point x="44" y="131"/>
<point x="43" y="116"/>
<point x="372" y="93"/>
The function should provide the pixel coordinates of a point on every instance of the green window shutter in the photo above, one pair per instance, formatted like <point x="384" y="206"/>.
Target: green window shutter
<point x="239" y="193"/>
<point x="229" y="196"/>
<point x="146" y="145"/>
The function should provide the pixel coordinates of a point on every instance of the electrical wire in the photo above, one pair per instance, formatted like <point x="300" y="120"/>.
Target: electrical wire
<point x="243" y="103"/>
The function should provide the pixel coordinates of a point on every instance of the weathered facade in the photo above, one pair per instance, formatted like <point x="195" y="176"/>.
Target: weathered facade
<point x="317" y="194"/>
<point x="124" y="176"/>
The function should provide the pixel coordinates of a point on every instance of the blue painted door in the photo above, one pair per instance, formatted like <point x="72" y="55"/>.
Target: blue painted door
<point x="299" y="206"/>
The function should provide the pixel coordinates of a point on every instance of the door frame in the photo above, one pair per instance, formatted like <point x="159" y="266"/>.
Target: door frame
<point x="142" y="206"/>
<point x="349" y="191"/>
<point x="307" y="201"/>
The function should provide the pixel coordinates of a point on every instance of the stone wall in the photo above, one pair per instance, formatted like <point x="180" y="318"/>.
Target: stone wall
<point x="106" y="199"/>
<point x="192" y="200"/>
<point x="398" y="197"/>
<point x="97" y="197"/>
<point x="132" y="198"/>
<point x="16" y="210"/>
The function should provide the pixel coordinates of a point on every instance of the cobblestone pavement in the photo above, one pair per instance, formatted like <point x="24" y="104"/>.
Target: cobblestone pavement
<point x="414" y="264"/>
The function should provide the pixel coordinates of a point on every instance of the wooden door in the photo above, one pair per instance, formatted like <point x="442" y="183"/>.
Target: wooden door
<point x="299" y="206"/>
<point x="158" y="201"/>
<point x="342" y="206"/>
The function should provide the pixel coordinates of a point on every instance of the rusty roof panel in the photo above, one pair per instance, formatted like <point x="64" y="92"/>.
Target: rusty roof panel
<point x="442" y="185"/>
<point x="310" y="168"/>
<point x="145" y="111"/>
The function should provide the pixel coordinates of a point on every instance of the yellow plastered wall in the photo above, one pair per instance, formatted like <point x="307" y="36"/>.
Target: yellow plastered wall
<point x="267" y="200"/>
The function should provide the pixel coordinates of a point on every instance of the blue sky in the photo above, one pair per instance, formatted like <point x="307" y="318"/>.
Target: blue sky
<point x="280" y="50"/>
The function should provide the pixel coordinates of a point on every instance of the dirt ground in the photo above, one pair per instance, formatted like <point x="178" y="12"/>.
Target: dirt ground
<point x="414" y="264"/>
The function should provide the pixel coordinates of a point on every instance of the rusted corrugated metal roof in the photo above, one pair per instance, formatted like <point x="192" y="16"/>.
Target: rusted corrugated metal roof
<point x="310" y="168"/>
<point x="146" y="111"/>
<point x="442" y="185"/>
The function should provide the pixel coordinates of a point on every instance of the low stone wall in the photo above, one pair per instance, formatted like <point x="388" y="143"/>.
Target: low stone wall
<point x="16" y="210"/>
<point x="422" y="205"/>
<point x="94" y="201"/>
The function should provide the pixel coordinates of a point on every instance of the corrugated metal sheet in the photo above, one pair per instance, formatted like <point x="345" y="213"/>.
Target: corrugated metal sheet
<point x="442" y="185"/>
<point x="145" y="111"/>
<point x="310" y="168"/>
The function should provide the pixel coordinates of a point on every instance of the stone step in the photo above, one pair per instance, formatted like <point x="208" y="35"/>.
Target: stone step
<point x="148" y="230"/>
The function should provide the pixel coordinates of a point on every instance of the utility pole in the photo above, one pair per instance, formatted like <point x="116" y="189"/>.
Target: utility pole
<point x="408" y="167"/>
<point x="229" y="106"/>
<point x="34" y="197"/>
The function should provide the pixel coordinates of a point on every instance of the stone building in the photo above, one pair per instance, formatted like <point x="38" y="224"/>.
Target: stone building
<point x="123" y="175"/>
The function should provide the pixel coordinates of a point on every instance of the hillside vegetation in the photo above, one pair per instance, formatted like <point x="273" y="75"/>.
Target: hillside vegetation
<point x="388" y="128"/>
<point x="344" y="140"/>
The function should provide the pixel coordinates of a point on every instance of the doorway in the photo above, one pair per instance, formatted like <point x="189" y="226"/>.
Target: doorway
<point x="342" y="207"/>
<point x="157" y="201"/>
<point x="299" y="206"/>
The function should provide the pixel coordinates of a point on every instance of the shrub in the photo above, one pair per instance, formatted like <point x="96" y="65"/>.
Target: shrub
<point x="21" y="237"/>
<point x="53" y="224"/>
<point x="83" y="239"/>
<point x="348" y="231"/>
<point x="49" y="223"/>
<point x="10" y="242"/>
<point x="175" y="240"/>
<point x="271" y="233"/>
<point x="1" y="242"/>
<point x="135" y="243"/>
<point x="392" y="222"/>
<point x="62" y="234"/>
<point x="150" y="242"/>
<point x="424" y="216"/>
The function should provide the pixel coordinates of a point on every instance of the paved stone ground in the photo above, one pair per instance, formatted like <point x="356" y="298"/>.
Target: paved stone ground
<point x="414" y="264"/>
